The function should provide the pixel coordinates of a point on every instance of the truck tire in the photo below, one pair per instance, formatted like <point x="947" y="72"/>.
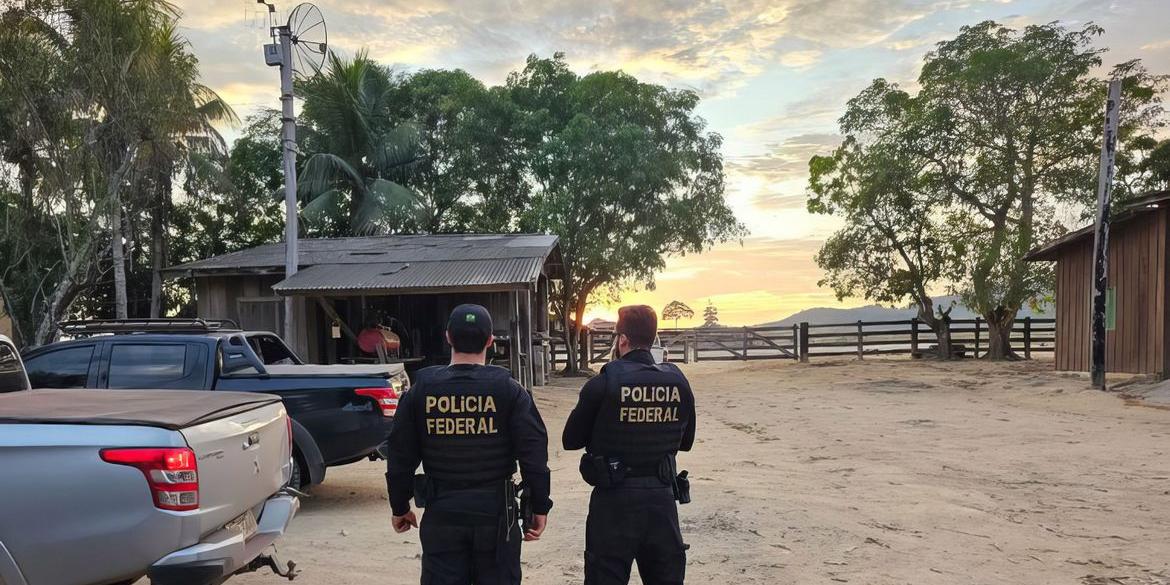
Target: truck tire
<point x="299" y="478"/>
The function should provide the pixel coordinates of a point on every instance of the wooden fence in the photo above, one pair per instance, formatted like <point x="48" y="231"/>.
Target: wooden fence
<point x="969" y="338"/>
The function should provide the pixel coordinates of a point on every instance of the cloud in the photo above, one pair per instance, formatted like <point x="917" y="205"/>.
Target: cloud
<point x="714" y="47"/>
<point x="801" y="59"/>
<point x="1157" y="45"/>
<point x="779" y="174"/>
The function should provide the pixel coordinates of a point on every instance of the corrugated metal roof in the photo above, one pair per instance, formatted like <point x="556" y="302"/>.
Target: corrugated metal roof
<point x="382" y="249"/>
<point x="393" y="263"/>
<point x="412" y="277"/>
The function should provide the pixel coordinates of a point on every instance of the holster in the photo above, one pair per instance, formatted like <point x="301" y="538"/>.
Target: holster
<point x="421" y="490"/>
<point x="682" y="488"/>
<point x="603" y="472"/>
<point x="511" y="509"/>
<point x="679" y="482"/>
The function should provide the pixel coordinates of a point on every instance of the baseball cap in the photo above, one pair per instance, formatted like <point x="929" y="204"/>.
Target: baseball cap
<point x="470" y="326"/>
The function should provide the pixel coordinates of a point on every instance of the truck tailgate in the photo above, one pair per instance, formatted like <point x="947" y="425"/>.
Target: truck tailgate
<point x="242" y="460"/>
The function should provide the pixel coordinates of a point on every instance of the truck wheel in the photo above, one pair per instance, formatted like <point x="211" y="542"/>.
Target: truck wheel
<point x="300" y="474"/>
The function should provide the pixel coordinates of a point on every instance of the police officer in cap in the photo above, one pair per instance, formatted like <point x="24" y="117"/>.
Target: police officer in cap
<point x="468" y="424"/>
<point x="632" y="419"/>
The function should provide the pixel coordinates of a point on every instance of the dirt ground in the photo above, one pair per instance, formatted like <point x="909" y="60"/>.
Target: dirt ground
<point x="882" y="471"/>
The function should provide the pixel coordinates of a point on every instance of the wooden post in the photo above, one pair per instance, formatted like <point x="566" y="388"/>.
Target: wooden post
<point x="1027" y="338"/>
<point x="1101" y="237"/>
<point x="914" y="338"/>
<point x="796" y="339"/>
<point x="803" y="342"/>
<point x="745" y="342"/>
<point x="860" y="342"/>
<point x="977" y="320"/>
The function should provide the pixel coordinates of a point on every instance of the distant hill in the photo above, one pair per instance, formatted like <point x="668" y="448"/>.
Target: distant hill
<point x="880" y="313"/>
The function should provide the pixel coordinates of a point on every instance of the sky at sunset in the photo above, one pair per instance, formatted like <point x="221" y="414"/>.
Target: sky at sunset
<point x="774" y="76"/>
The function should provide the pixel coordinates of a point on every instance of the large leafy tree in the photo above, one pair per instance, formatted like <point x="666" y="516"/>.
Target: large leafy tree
<point x="897" y="242"/>
<point x="470" y="170"/>
<point x="625" y="174"/>
<point x="1005" y="129"/>
<point x="102" y="100"/>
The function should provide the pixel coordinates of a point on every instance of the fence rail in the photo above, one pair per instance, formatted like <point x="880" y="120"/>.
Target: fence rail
<point x="969" y="338"/>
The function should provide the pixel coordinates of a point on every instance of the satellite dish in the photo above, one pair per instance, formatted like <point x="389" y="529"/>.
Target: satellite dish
<point x="310" y="39"/>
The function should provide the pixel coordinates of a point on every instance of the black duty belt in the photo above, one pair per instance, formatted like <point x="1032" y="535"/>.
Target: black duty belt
<point x="641" y="483"/>
<point x="642" y="472"/>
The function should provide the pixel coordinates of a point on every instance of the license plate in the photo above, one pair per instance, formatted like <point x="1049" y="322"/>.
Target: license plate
<point x="246" y="524"/>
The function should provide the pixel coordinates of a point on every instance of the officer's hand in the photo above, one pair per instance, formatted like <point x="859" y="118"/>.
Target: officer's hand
<point x="404" y="522"/>
<point x="539" y="521"/>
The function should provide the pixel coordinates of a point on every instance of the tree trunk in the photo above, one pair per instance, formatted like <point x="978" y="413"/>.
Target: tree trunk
<point x="114" y="192"/>
<point x="586" y="352"/>
<point x="999" y="333"/>
<point x="941" y="326"/>
<point x="27" y="179"/>
<point x="566" y="301"/>
<point x="66" y="290"/>
<point x="158" y="251"/>
<point x="118" y="253"/>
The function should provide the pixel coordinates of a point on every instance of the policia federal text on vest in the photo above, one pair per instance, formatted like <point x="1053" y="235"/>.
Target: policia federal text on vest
<point x="632" y="420"/>
<point x="468" y="425"/>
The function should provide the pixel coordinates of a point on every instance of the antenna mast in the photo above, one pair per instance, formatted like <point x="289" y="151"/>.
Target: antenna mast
<point x="288" y="50"/>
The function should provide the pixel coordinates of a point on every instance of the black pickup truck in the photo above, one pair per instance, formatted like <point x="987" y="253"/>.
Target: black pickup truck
<point x="340" y="414"/>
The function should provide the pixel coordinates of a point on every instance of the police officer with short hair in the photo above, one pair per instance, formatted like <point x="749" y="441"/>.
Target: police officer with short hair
<point x="632" y="419"/>
<point x="468" y="424"/>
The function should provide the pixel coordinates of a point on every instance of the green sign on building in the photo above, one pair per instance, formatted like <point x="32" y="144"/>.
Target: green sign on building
<point x="1110" y="309"/>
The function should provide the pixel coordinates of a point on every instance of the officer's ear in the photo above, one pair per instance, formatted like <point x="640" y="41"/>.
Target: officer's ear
<point x="490" y="341"/>
<point x="447" y="336"/>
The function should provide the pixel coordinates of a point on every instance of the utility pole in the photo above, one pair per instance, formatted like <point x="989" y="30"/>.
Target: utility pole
<point x="288" y="141"/>
<point x="1101" y="238"/>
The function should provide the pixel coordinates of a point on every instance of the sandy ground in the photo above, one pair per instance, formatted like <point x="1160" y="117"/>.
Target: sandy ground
<point x="882" y="471"/>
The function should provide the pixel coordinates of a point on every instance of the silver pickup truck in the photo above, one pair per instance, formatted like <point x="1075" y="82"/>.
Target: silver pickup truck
<point x="99" y="488"/>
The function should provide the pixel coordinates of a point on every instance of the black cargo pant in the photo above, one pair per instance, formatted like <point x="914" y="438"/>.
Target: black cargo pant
<point x="464" y="542"/>
<point x="637" y="521"/>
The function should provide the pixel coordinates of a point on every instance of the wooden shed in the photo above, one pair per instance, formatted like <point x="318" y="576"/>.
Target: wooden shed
<point x="408" y="284"/>
<point x="1137" y="321"/>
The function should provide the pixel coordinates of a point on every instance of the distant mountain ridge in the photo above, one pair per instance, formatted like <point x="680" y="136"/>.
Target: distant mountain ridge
<point x="880" y="313"/>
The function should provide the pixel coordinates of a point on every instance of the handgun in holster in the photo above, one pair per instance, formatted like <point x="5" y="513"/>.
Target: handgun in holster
<point x="527" y="517"/>
<point x="682" y="488"/>
<point x="679" y="482"/>
<point x="421" y="489"/>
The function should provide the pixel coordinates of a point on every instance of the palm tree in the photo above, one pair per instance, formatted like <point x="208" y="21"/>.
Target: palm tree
<point x="352" y="181"/>
<point x="181" y="138"/>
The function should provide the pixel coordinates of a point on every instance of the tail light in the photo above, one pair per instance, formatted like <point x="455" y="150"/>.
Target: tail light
<point x="386" y="398"/>
<point x="171" y="473"/>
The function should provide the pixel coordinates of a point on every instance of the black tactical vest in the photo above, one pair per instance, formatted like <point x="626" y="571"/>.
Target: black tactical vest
<point x="463" y="423"/>
<point x="642" y="418"/>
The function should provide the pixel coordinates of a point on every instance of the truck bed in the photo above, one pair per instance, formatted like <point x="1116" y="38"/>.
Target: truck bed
<point x="73" y="517"/>
<point x="168" y="409"/>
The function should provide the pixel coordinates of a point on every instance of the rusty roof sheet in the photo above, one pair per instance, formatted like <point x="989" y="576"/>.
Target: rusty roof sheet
<point x="393" y="263"/>
<point x="413" y="277"/>
<point x="381" y="249"/>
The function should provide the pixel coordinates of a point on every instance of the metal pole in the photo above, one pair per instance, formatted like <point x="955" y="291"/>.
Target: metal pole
<point x="1101" y="238"/>
<point x="289" y="144"/>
